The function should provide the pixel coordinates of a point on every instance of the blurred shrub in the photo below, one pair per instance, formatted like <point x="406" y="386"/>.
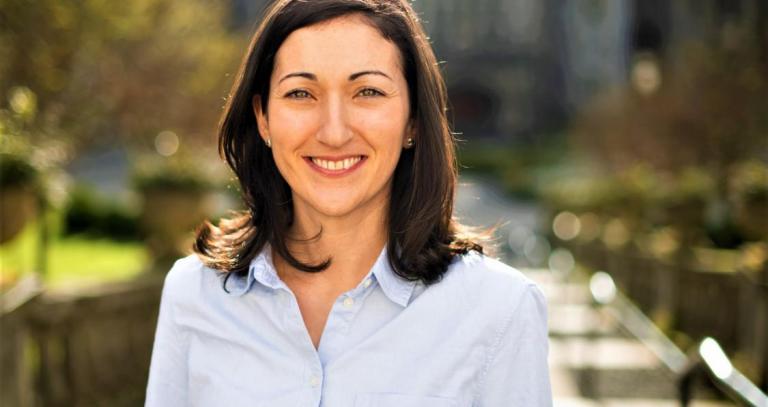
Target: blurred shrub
<point x="749" y="182"/>
<point x="687" y="185"/>
<point x="691" y="137"/>
<point x="517" y="167"/>
<point x="484" y="159"/>
<point x="712" y="114"/>
<point x="176" y="173"/>
<point x="91" y="214"/>
<point x="748" y="188"/>
<point x="16" y="170"/>
<point x="581" y="194"/>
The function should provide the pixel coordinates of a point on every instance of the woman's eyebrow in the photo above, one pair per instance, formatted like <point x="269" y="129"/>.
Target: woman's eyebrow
<point x="307" y="75"/>
<point x="313" y="77"/>
<point x="359" y="74"/>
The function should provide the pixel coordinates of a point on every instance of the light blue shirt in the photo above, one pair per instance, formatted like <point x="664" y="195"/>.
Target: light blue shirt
<point x="477" y="338"/>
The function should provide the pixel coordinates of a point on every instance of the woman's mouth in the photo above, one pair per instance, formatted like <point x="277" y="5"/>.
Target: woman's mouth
<point x="335" y="166"/>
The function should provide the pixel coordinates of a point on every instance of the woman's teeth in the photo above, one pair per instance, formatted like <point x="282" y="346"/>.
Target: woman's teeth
<point x="336" y="165"/>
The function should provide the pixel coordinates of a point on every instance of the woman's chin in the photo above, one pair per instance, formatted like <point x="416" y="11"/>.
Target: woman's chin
<point x="337" y="210"/>
<point x="334" y="207"/>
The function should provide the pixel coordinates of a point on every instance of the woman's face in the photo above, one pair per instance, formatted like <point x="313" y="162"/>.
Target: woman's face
<point x="338" y="116"/>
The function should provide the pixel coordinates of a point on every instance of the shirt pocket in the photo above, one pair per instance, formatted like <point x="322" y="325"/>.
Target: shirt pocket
<point x="401" y="400"/>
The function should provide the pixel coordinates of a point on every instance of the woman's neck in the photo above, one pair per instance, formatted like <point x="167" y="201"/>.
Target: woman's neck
<point x="353" y="242"/>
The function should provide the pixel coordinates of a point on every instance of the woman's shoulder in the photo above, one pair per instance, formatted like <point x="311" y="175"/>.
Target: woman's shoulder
<point x="482" y="279"/>
<point x="185" y="278"/>
<point x="483" y="272"/>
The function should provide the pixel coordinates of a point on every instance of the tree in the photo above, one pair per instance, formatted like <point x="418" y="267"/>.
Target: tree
<point x="104" y="69"/>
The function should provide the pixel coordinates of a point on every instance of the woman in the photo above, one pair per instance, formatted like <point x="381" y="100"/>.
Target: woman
<point x="347" y="282"/>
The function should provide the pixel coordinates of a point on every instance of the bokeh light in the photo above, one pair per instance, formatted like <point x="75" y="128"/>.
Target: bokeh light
<point x="616" y="234"/>
<point x="536" y="250"/>
<point x="602" y="287"/>
<point x="517" y="238"/>
<point x="561" y="260"/>
<point x="590" y="227"/>
<point x="646" y="75"/>
<point x="566" y="225"/>
<point x="167" y="143"/>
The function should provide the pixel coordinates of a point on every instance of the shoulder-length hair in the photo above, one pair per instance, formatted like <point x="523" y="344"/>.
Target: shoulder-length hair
<point x="423" y="236"/>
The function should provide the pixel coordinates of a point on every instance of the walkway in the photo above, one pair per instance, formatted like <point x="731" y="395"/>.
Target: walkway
<point x="593" y="362"/>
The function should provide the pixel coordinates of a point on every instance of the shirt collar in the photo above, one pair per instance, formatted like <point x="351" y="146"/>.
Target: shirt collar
<point x="262" y="270"/>
<point x="396" y="288"/>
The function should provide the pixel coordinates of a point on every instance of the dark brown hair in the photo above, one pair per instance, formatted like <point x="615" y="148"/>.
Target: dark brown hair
<point x="423" y="237"/>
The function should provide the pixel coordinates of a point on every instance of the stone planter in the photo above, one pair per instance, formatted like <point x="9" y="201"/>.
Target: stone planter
<point x="168" y="220"/>
<point x="18" y="205"/>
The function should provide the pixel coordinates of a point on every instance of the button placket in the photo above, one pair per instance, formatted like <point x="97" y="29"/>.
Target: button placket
<point x="314" y="381"/>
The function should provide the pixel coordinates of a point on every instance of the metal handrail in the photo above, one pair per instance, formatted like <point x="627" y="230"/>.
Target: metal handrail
<point x="604" y="292"/>
<point x="708" y="357"/>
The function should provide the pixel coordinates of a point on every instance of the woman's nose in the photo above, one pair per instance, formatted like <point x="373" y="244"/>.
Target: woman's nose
<point x="335" y="130"/>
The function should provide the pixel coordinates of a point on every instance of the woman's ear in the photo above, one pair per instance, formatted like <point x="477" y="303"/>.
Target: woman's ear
<point x="261" y="118"/>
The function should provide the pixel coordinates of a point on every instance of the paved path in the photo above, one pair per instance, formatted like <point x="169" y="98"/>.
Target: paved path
<point x="593" y="362"/>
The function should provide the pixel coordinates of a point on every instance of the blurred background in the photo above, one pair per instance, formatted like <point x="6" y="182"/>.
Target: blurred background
<point x="620" y="147"/>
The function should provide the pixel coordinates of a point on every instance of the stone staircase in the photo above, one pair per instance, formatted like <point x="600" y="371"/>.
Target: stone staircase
<point x="594" y="361"/>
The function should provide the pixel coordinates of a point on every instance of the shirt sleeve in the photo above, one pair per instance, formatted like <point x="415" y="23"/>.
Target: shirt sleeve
<point x="167" y="384"/>
<point x="517" y="373"/>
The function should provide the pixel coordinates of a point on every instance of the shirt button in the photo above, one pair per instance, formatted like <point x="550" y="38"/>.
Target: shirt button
<point x="348" y="302"/>
<point x="314" y="381"/>
<point x="367" y="283"/>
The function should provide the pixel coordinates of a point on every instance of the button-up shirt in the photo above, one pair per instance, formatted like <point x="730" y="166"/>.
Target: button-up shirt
<point x="476" y="338"/>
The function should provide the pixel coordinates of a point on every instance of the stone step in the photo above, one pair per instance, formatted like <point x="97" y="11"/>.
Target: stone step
<point x="572" y="293"/>
<point x="576" y="320"/>
<point x="632" y="402"/>
<point x="610" y="368"/>
<point x="601" y="353"/>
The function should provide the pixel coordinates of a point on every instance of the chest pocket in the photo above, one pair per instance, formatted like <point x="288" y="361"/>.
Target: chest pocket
<point x="401" y="400"/>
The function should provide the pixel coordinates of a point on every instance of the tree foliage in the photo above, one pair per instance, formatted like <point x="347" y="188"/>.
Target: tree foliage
<point x="103" y="69"/>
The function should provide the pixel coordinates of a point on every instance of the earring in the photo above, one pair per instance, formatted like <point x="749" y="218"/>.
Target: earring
<point x="269" y="142"/>
<point x="409" y="142"/>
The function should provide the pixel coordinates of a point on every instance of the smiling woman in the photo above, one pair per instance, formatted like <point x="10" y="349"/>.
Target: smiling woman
<point x="348" y="260"/>
<point x="337" y="121"/>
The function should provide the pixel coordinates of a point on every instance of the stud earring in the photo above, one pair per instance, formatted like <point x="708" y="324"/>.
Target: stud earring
<point x="269" y="142"/>
<point x="409" y="142"/>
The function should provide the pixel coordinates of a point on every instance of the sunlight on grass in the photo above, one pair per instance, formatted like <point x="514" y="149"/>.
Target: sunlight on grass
<point x="71" y="260"/>
<point x="79" y="259"/>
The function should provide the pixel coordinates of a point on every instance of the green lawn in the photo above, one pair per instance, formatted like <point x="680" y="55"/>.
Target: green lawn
<point x="72" y="259"/>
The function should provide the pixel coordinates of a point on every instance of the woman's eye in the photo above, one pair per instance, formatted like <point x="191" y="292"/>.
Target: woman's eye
<point x="298" y="94"/>
<point x="369" y="92"/>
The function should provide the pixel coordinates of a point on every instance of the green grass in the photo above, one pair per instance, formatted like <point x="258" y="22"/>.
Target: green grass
<point x="71" y="260"/>
<point x="78" y="259"/>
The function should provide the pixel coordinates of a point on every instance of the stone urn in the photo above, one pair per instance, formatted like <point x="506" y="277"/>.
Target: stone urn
<point x="169" y="218"/>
